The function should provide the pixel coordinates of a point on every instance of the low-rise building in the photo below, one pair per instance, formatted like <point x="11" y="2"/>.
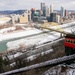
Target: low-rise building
<point x="23" y="18"/>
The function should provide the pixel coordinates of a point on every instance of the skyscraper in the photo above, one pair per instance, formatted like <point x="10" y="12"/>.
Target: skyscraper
<point x="62" y="12"/>
<point x="48" y="11"/>
<point x="45" y="11"/>
<point x="53" y="17"/>
<point x="66" y="13"/>
<point x="51" y="8"/>
<point x="29" y="15"/>
<point x="32" y="13"/>
<point x="58" y="18"/>
<point x="42" y="6"/>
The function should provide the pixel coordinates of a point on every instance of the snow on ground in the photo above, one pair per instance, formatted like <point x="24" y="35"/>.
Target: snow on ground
<point x="4" y="20"/>
<point x="60" y="70"/>
<point x="14" y="55"/>
<point x="7" y="29"/>
<point x="70" y="72"/>
<point x="19" y="34"/>
<point x="47" y="52"/>
<point x="52" y="37"/>
<point x="13" y="64"/>
<point x="34" y="40"/>
<point x="20" y="24"/>
<point x="30" y="31"/>
<point x="30" y="58"/>
<point x="27" y="41"/>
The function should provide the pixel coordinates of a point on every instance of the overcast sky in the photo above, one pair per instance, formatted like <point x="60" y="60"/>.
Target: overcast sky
<point x="28" y="4"/>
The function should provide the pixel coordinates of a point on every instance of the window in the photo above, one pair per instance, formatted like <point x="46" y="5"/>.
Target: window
<point x="68" y="40"/>
<point x="71" y="41"/>
<point x="74" y="41"/>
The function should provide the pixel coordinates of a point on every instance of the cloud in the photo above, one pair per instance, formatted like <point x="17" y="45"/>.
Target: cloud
<point x="27" y="4"/>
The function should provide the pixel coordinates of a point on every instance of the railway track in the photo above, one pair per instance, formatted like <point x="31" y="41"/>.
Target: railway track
<point x="43" y="64"/>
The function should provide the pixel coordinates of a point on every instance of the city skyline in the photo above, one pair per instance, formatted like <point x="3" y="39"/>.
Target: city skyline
<point x="28" y="4"/>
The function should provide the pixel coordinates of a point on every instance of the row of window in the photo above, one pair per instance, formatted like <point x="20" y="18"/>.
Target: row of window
<point x="70" y="41"/>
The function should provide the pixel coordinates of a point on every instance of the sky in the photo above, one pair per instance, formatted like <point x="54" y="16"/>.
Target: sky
<point x="28" y="4"/>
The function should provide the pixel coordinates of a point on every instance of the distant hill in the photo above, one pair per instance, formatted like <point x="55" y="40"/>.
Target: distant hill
<point x="18" y="12"/>
<point x="71" y="10"/>
<point x="22" y="11"/>
<point x="5" y="12"/>
<point x="12" y="12"/>
<point x="67" y="10"/>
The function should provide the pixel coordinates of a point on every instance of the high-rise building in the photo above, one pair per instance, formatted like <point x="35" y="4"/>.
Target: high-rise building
<point x="38" y="12"/>
<point x="48" y="11"/>
<point x="62" y="12"/>
<point x="29" y="15"/>
<point x="51" y="8"/>
<point x="42" y="6"/>
<point x="66" y="13"/>
<point x="58" y="18"/>
<point x="53" y="17"/>
<point x="41" y="12"/>
<point x="13" y="20"/>
<point x="32" y="13"/>
<point x="45" y="11"/>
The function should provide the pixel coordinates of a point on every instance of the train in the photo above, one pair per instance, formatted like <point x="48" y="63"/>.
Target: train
<point x="69" y="44"/>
